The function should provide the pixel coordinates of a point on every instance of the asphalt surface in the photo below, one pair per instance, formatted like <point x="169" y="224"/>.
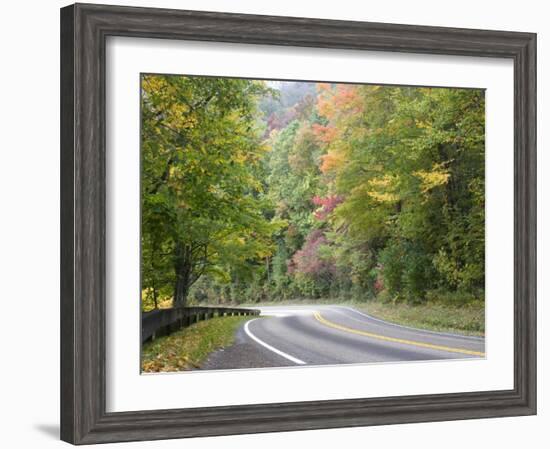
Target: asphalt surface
<point x="332" y="335"/>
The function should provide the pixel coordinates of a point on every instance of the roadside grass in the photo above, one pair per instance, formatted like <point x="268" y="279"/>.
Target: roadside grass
<point x="187" y="348"/>
<point x="467" y="319"/>
<point x="464" y="319"/>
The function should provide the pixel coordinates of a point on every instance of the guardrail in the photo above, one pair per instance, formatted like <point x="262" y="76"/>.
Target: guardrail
<point x="164" y="321"/>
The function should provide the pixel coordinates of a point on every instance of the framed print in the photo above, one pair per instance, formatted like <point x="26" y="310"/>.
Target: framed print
<point x="343" y="211"/>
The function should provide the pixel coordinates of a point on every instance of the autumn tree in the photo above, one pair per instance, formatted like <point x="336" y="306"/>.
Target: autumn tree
<point x="201" y="201"/>
<point x="410" y="164"/>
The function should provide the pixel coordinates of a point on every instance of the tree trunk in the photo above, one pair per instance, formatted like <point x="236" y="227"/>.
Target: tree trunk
<point x="155" y="296"/>
<point x="181" y="291"/>
<point x="182" y="268"/>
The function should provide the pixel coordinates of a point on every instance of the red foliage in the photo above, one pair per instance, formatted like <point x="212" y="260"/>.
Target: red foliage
<point x="327" y="205"/>
<point x="378" y="284"/>
<point x="308" y="260"/>
<point x="280" y="119"/>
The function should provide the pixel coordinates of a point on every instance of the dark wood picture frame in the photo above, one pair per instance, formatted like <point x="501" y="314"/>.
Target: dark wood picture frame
<point x="84" y="29"/>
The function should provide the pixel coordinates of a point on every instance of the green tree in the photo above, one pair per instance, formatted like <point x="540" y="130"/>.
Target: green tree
<point x="201" y="202"/>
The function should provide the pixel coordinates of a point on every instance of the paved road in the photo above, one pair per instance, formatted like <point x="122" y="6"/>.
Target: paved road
<point x="329" y="335"/>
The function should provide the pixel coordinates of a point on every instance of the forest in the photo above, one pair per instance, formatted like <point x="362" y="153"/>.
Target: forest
<point x="262" y="191"/>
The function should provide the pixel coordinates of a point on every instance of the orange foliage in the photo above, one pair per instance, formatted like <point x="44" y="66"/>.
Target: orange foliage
<point x="346" y="96"/>
<point x="325" y="134"/>
<point x="331" y="161"/>
<point x="333" y="101"/>
<point x="325" y="105"/>
<point x="337" y="103"/>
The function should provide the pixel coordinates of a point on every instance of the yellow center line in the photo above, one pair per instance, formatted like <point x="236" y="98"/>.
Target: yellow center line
<point x="328" y="323"/>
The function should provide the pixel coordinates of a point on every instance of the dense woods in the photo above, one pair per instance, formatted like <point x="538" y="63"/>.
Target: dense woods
<point x="258" y="191"/>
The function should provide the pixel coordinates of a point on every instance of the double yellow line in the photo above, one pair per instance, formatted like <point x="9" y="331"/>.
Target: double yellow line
<point x="328" y="323"/>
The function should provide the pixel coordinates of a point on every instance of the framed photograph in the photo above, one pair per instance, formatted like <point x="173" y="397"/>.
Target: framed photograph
<point x="274" y="223"/>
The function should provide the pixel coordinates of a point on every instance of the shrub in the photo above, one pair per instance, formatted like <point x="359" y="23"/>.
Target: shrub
<point x="407" y="272"/>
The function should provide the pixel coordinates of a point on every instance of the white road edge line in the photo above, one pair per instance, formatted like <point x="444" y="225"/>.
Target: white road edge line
<point x="271" y="348"/>
<point x="444" y="334"/>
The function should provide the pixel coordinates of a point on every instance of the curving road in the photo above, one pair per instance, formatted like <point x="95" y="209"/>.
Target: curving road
<point x="330" y="335"/>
